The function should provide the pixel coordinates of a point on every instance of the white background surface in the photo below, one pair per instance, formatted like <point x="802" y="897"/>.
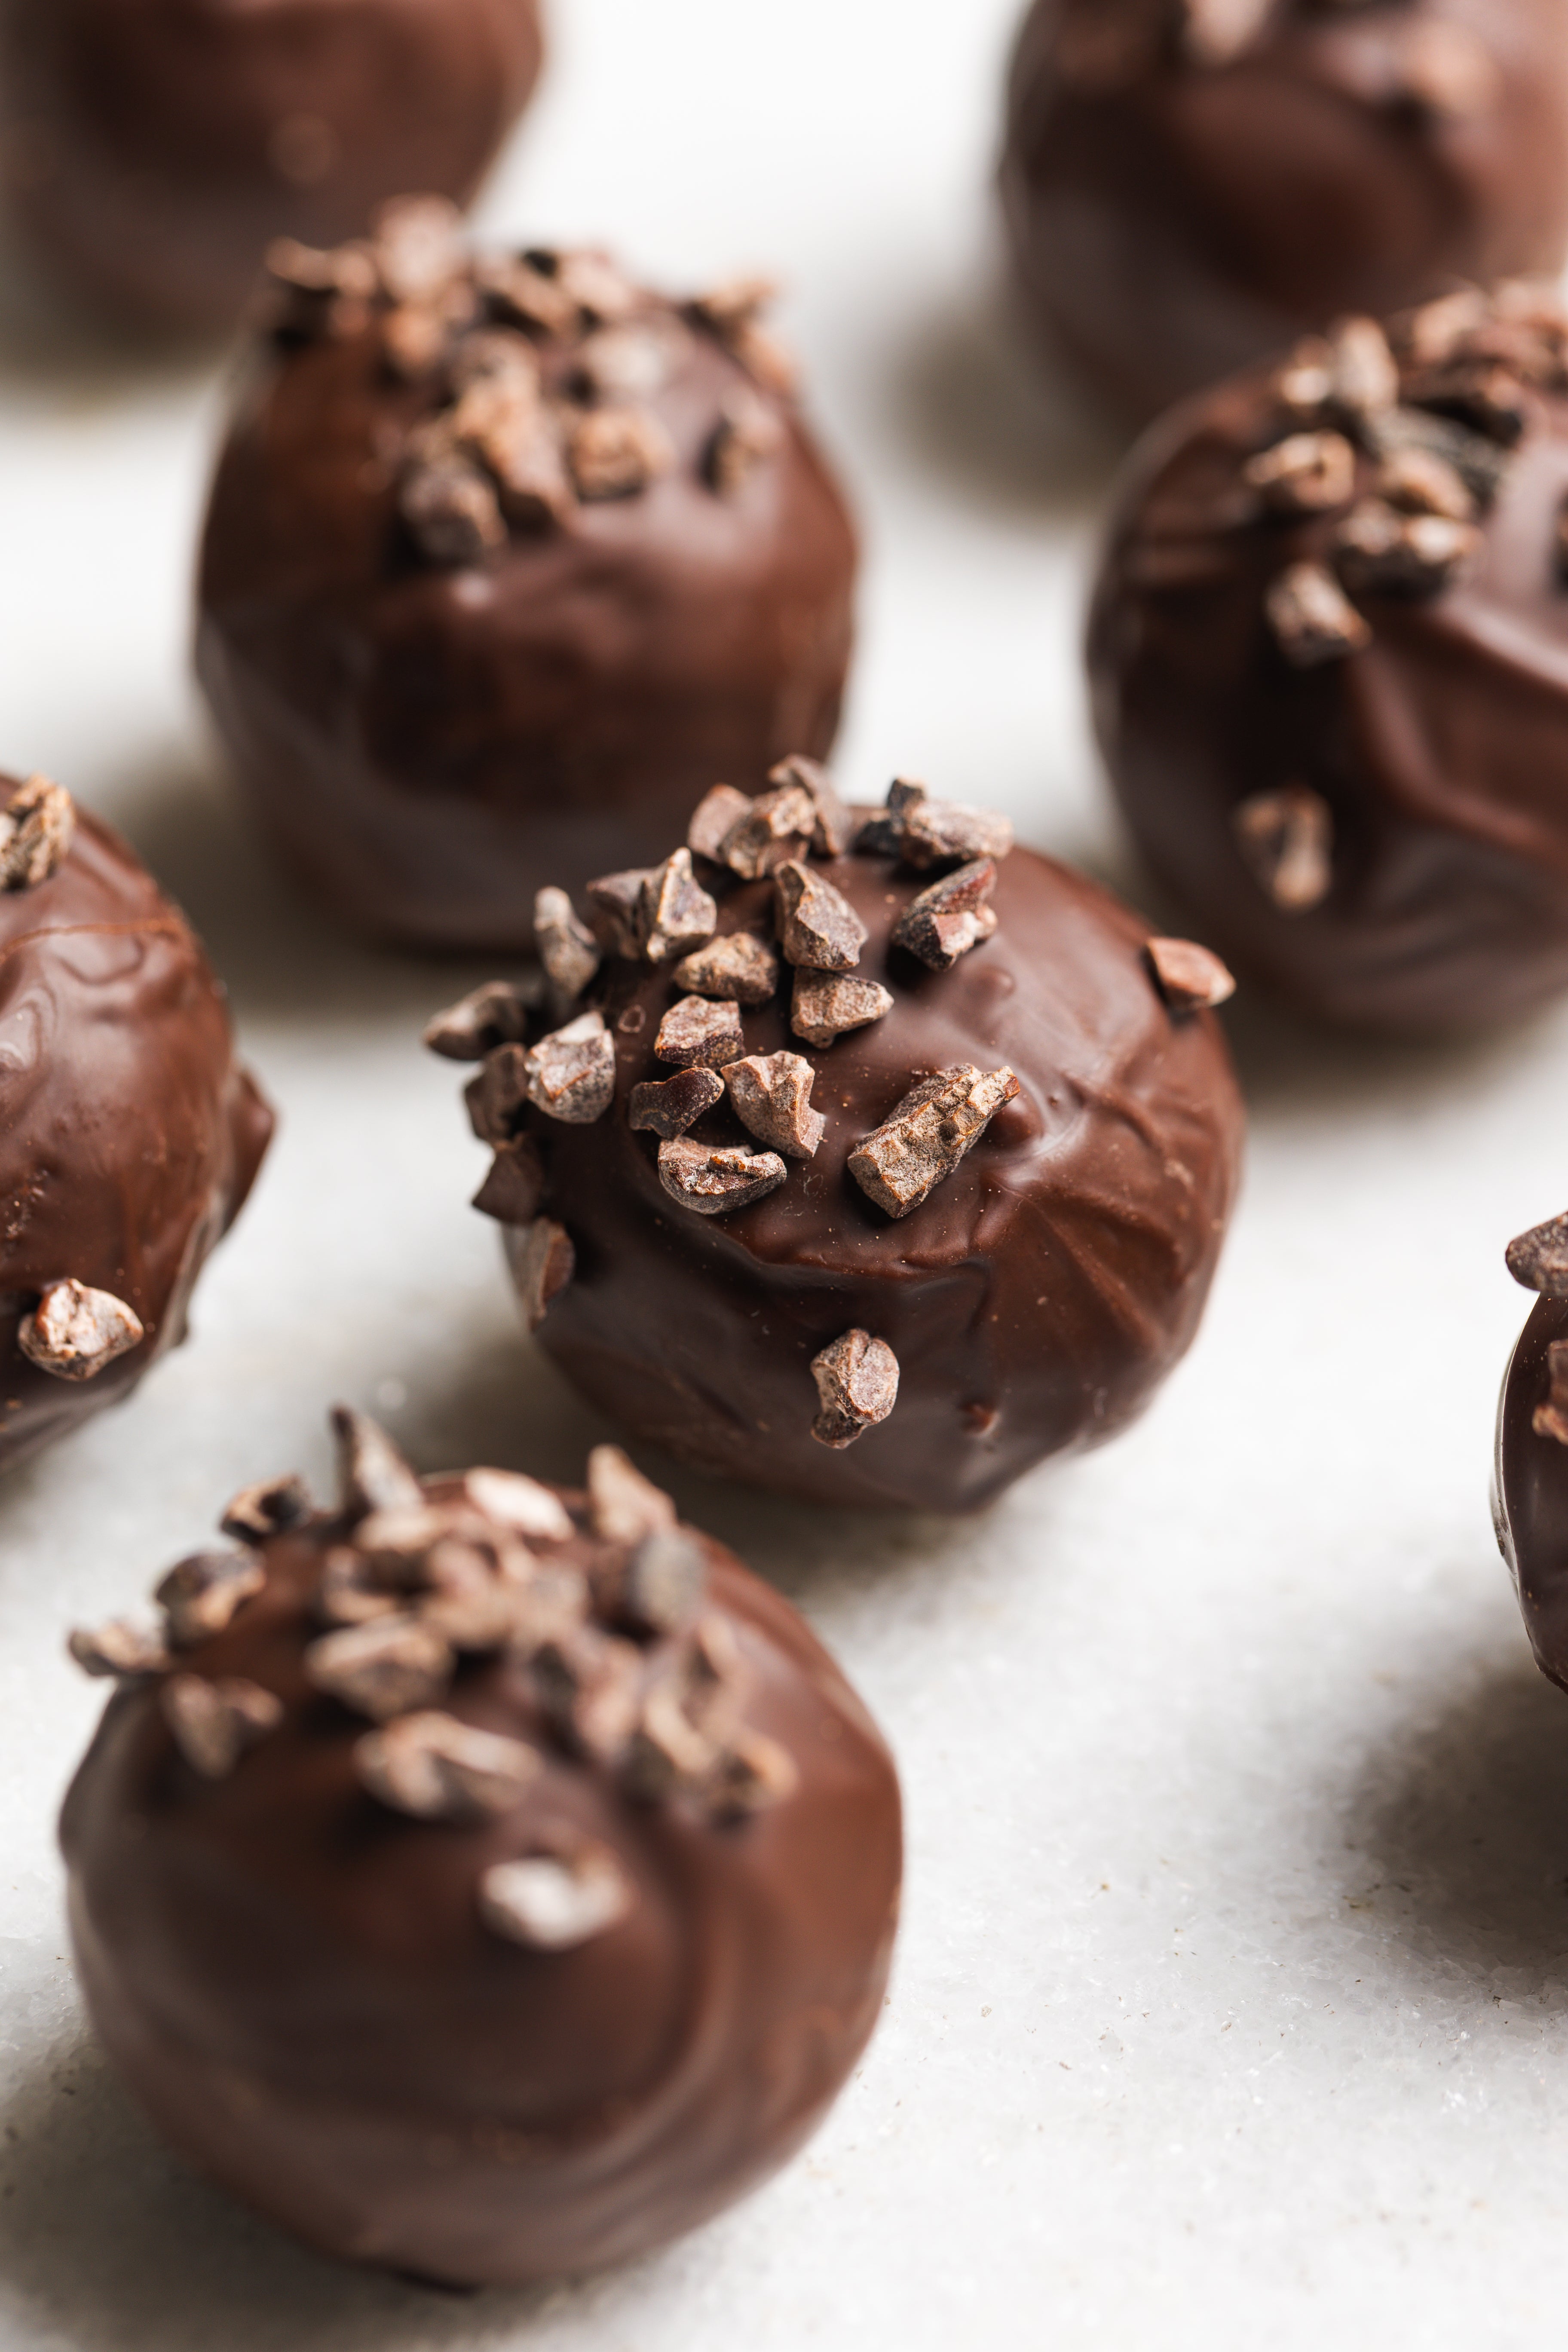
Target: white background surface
<point x="1231" y="2001"/>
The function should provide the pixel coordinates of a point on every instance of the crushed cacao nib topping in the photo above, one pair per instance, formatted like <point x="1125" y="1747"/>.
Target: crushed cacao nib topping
<point x="542" y="1268"/>
<point x="825" y="1005"/>
<point x="771" y="1097"/>
<point x="676" y="915"/>
<point x="714" y="1178"/>
<point x="1539" y="1259"/>
<point x="629" y="363"/>
<point x="700" y="1032"/>
<point x="496" y="1097"/>
<point x="856" y="1387"/>
<point x="571" y="1075"/>
<point x="833" y="833"/>
<point x="1382" y="552"/>
<point x="614" y="909"/>
<point x="659" y="1585"/>
<point x="38" y="826"/>
<point x="1418" y="481"/>
<point x="495" y="1014"/>
<point x="668" y="1106"/>
<point x="1307" y="473"/>
<point x="127" y="1653"/>
<point x="1550" y="1418"/>
<point x="927" y="833"/>
<point x="514" y="1184"/>
<point x="778" y="826"/>
<point x="613" y="453"/>
<point x="452" y="510"/>
<point x="554" y="1902"/>
<point x="623" y="1506"/>
<point x="567" y="948"/>
<point x="817" y="925"/>
<point x="747" y="435"/>
<point x="271" y="1507"/>
<point x="928" y="1134"/>
<point x="739" y="966"/>
<point x="1312" y="619"/>
<point x="200" y="1595"/>
<point x="372" y="1475"/>
<point x="437" y="1769"/>
<point x="953" y="916"/>
<point x="1478" y="463"/>
<point x="1287" y="837"/>
<point x="213" y="1723"/>
<point x="1483" y="394"/>
<point x="75" y="1332"/>
<point x="715" y="817"/>
<point x="1189" y="977"/>
<point x="387" y="1668"/>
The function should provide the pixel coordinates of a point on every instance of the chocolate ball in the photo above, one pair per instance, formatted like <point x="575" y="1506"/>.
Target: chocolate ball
<point x="1329" y="649"/>
<point x="129" y="1134"/>
<point x="483" y="1880"/>
<point x="870" y="1173"/>
<point x="1530" y="1493"/>
<point x="1191" y="183"/>
<point x="153" y="148"/>
<point x="498" y="574"/>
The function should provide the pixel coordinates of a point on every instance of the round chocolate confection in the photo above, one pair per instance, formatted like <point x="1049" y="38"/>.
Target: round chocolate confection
<point x="152" y="148"/>
<point x="1191" y="183"/>
<point x="129" y="1134"/>
<point x="506" y="559"/>
<point x="1330" y="658"/>
<point x="482" y="1880"/>
<point x="1529" y="1492"/>
<point x="1001" y="1140"/>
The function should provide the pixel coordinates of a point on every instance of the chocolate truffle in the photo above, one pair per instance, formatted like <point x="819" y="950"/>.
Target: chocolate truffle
<point x="129" y="1134"/>
<point x="1330" y="658"/>
<point x="858" y="1157"/>
<point x="506" y="559"/>
<point x="1191" y="183"/>
<point x="152" y="148"/>
<point x="483" y="1880"/>
<point x="1529" y="1492"/>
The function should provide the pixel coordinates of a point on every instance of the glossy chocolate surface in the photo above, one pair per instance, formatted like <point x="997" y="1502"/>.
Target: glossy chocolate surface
<point x="152" y="148"/>
<point x="430" y="744"/>
<point x="1037" y="1297"/>
<point x="1530" y="1490"/>
<point x="1173" y="220"/>
<point x="298" y="1986"/>
<point x="1440" y="749"/>
<point x="129" y="1134"/>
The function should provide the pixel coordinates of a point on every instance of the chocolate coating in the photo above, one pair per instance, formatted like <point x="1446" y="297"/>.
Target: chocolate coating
<point x="1529" y="1499"/>
<point x="152" y="148"/>
<point x="1173" y="220"/>
<point x="298" y="1984"/>
<point x="428" y="745"/>
<point x="129" y="1134"/>
<point x="1436" y="749"/>
<point x="1037" y="1297"/>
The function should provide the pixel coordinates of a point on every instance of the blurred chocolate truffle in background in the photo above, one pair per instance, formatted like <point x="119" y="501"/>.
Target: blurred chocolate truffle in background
<point x="506" y="559"/>
<point x="859" y="1154"/>
<point x="152" y="149"/>
<point x="129" y="1134"/>
<point x="1190" y="183"/>
<point x="1530" y="1491"/>
<point x="483" y="1880"/>
<point x="1329" y="650"/>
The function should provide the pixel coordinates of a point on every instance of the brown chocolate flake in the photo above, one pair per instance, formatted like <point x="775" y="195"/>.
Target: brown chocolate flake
<point x="738" y="303"/>
<point x="271" y="1507"/>
<point x="319" y="292"/>
<point x="572" y="1073"/>
<point x="398" y="1543"/>
<point x="1287" y="837"/>
<point x="662" y="1583"/>
<point x="739" y="966"/>
<point x="1190" y="978"/>
<point x="928" y="1134"/>
<point x="669" y="1107"/>
<point x="590" y="1686"/>
<point x="825" y="1005"/>
<point x="554" y="1902"/>
<point x="1446" y="69"/>
<point x="834" y="834"/>
<point x="389" y="1667"/>
<point x="475" y="1620"/>
<point x="1306" y="380"/>
<point x="856" y="1386"/>
<point x="567" y="947"/>
<point x="817" y="926"/>
<point x="439" y="1769"/>
<point x="452" y="511"/>
<point x="714" y="1179"/>
<point x="127" y="1652"/>
<point x="495" y="1014"/>
<point x="772" y="1096"/>
<point x="601" y="290"/>
<point x="1307" y="473"/>
<point x="623" y="1506"/>
<point x="520" y="450"/>
<point x="615" y="909"/>
<point x="514" y="1186"/>
<point x="415" y="337"/>
<point x="751" y="1773"/>
<point x="497" y="1096"/>
<point x="75" y="1332"/>
<point x="1480" y="463"/>
<point x="747" y="435"/>
<point x="1417" y="482"/>
<point x="372" y="1475"/>
<point x="348" y="1593"/>
<point x="715" y="817"/>
<point x="1539" y="1259"/>
<point x="927" y="833"/>
<point x="542" y="1268"/>
<point x="1484" y="394"/>
<point x="777" y="825"/>
<point x="215" y="1722"/>
<point x="1382" y="552"/>
<point x="615" y="452"/>
<point x="418" y="247"/>
<point x="516" y="291"/>
<point x="200" y="1595"/>
<point x="1363" y="375"/>
<point x="953" y="916"/>
<point x="518" y="1503"/>
<point x="1550" y="1418"/>
<point x="1214" y="33"/>
<point x="766" y="360"/>
<point x="629" y="363"/>
<point x="1312" y="619"/>
<point x="675" y="913"/>
<point x="665" y="1751"/>
<point x="37" y="828"/>
<point x="699" y="1031"/>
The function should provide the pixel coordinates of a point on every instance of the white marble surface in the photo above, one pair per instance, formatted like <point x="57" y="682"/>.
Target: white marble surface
<point x="1232" y="2003"/>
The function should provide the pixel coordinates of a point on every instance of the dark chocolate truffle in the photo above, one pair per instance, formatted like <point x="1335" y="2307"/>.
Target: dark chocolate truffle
<point x="129" y="1134"/>
<point x="1191" y="183"/>
<point x="1330" y="658"/>
<point x="482" y="1880"/>
<point x="153" y="148"/>
<point x="1529" y="1492"/>
<point x="501" y="571"/>
<point x="873" y="1163"/>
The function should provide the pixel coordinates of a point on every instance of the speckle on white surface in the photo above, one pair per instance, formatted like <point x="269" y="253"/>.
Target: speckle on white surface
<point x="1231" y="2001"/>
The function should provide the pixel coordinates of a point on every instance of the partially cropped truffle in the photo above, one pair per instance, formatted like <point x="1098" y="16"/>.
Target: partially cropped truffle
<point x="505" y="560"/>
<point x="483" y="1880"/>
<point x="857" y="1154"/>
<point x="1191" y="183"/>
<point x="1530" y="1491"/>
<point x="1329" y="650"/>
<point x="129" y="1134"/>
<point x="152" y="149"/>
